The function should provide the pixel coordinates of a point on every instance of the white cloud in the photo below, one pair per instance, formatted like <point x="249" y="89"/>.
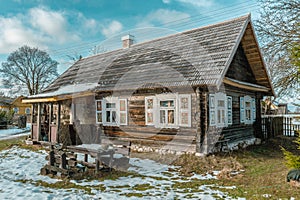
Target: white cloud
<point x="38" y="27"/>
<point x="163" y="16"/>
<point x="52" y="23"/>
<point x="113" y="28"/>
<point x="14" y="34"/>
<point x="198" y="3"/>
<point x="166" y="1"/>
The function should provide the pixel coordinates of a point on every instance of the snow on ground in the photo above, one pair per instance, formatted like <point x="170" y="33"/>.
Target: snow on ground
<point x="156" y="181"/>
<point x="14" y="132"/>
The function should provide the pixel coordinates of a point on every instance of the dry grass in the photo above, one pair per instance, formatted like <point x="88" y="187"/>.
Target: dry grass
<point x="262" y="171"/>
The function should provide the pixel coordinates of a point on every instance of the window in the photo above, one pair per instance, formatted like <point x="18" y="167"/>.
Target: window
<point x="16" y="110"/>
<point x="27" y="111"/>
<point x="111" y="111"/>
<point x="168" y="110"/>
<point x="247" y="110"/>
<point x="220" y="109"/>
<point x="221" y="112"/>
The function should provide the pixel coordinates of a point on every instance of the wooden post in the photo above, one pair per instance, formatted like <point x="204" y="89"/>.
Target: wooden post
<point x="97" y="162"/>
<point x="203" y="117"/>
<point x="39" y="122"/>
<point x="50" y="121"/>
<point x="258" y="122"/>
<point x="58" y="121"/>
<point x="63" y="163"/>
<point x="86" y="157"/>
<point x="51" y="157"/>
<point x="198" y="116"/>
<point x="32" y="119"/>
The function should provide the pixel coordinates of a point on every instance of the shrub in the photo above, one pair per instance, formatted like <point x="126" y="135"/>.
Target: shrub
<point x="292" y="160"/>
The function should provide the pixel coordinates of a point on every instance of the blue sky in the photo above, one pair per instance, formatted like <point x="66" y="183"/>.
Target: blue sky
<point x="75" y="27"/>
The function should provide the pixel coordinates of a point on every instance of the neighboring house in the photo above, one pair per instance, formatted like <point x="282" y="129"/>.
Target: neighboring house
<point x="16" y="105"/>
<point x="189" y="88"/>
<point x="5" y="103"/>
<point x="20" y="108"/>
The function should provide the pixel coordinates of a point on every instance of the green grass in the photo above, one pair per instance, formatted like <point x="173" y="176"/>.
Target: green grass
<point x="6" y="144"/>
<point x="264" y="165"/>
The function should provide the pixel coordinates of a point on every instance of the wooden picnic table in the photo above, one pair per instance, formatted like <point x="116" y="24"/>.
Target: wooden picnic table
<point x="98" y="151"/>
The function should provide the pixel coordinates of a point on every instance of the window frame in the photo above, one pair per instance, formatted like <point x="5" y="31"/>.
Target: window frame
<point x="217" y="112"/>
<point x="244" y="110"/>
<point x="117" y="109"/>
<point x="177" y="110"/>
<point x="168" y="97"/>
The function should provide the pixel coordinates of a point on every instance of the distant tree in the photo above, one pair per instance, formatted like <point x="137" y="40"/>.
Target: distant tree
<point x="29" y="67"/>
<point x="279" y="31"/>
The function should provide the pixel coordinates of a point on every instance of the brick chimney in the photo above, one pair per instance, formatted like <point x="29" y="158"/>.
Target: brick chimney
<point x="127" y="41"/>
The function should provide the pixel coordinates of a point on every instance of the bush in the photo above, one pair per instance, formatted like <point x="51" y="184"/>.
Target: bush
<point x="292" y="160"/>
<point x="6" y="117"/>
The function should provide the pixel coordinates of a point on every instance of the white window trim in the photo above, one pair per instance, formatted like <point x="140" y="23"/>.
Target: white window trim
<point x="117" y="101"/>
<point x="214" y="109"/>
<point x="221" y="97"/>
<point x="167" y="97"/>
<point x="177" y="110"/>
<point x="252" y="108"/>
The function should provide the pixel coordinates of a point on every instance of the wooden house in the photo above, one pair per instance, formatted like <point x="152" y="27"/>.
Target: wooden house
<point x="16" y="105"/>
<point x="189" y="89"/>
<point x="5" y="103"/>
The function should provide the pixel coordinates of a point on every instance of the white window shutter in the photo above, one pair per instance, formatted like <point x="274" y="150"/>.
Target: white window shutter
<point x="253" y="106"/>
<point x="122" y="118"/>
<point x="229" y="110"/>
<point x="103" y="111"/>
<point x="150" y="110"/>
<point x="212" y="110"/>
<point x="184" y="107"/>
<point x="242" y="110"/>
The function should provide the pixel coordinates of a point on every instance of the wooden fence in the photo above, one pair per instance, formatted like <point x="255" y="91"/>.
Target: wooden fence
<point x="274" y="125"/>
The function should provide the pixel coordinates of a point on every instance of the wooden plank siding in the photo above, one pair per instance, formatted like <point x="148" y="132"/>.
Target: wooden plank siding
<point x="137" y="128"/>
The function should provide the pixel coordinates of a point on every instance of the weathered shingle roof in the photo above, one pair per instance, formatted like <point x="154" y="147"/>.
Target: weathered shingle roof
<point x="197" y="57"/>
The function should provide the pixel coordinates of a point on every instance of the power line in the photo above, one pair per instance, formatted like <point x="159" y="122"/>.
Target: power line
<point x="177" y="25"/>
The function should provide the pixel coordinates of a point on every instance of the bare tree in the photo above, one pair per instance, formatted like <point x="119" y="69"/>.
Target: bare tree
<point x="279" y="32"/>
<point x="29" y="67"/>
